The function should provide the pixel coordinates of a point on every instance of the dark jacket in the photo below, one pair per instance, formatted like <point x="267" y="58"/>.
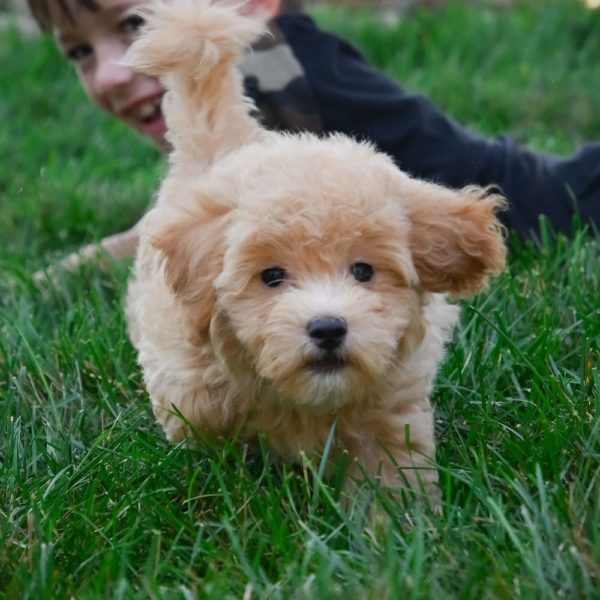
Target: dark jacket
<point x="302" y="78"/>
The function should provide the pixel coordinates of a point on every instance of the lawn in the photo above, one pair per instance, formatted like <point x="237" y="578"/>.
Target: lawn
<point x="94" y="502"/>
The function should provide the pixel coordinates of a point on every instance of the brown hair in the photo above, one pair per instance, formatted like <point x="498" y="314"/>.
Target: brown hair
<point x="40" y="9"/>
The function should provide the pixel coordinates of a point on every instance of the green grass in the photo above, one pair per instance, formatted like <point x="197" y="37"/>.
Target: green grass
<point x="94" y="502"/>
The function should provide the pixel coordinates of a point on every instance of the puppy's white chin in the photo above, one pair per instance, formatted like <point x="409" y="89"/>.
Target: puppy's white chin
<point x="321" y="390"/>
<point x="329" y="390"/>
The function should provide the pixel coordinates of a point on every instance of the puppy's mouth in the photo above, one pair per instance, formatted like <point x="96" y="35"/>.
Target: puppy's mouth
<point x="327" y="364"/>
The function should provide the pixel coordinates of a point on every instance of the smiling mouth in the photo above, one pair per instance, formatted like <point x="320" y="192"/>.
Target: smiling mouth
<point x="327" y="364"/>
<point x="148" y="112"/>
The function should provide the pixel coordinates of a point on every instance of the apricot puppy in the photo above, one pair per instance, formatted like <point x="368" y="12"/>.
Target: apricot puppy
<point x="284" y="282"/>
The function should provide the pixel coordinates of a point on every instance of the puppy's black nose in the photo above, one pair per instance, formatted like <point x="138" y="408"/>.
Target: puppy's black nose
<point x="327" y="333"/>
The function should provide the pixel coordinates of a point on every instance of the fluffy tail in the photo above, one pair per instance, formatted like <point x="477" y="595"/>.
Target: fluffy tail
<point x="192" y="45"/>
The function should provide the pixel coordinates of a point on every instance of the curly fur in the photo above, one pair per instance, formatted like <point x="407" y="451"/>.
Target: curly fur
<point x="226" y="355"/>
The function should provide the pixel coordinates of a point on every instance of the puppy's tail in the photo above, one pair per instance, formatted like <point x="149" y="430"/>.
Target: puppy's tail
<point x="192" y="45"/>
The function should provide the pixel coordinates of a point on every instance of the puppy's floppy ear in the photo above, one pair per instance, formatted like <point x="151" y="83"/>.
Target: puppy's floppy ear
<point x="192" y="248"/>
<point x="456" y="240"/>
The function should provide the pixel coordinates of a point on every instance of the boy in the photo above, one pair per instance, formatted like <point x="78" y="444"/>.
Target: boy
<point x="304" y="79"/>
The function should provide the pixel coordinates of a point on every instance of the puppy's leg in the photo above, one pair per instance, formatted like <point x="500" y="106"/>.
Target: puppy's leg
<point x="193" y="413"/>
<point x="398" y="451"/>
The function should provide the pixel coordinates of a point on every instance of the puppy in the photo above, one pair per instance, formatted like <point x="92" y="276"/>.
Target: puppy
<point x="285" y="283"/>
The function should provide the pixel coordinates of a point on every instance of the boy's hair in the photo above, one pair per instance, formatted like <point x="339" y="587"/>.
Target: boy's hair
<point x="41" y="13"/>
<point x="40" y="10"/>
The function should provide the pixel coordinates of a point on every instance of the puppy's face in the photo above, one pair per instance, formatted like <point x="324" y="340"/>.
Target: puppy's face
<point x="313" y="280"/>
<point x="320" y="299"/>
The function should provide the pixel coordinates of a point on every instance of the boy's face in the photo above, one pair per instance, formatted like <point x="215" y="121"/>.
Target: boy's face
<point x="95" y="39"/>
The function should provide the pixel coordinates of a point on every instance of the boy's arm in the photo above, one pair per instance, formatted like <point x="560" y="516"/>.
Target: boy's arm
<point x="118" y="245"/>
<point x="122" y="245"/>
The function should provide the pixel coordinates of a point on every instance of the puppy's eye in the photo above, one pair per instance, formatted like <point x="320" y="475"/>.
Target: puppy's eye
<point x="273" y="276"/>
<point x="362" y="272"/>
